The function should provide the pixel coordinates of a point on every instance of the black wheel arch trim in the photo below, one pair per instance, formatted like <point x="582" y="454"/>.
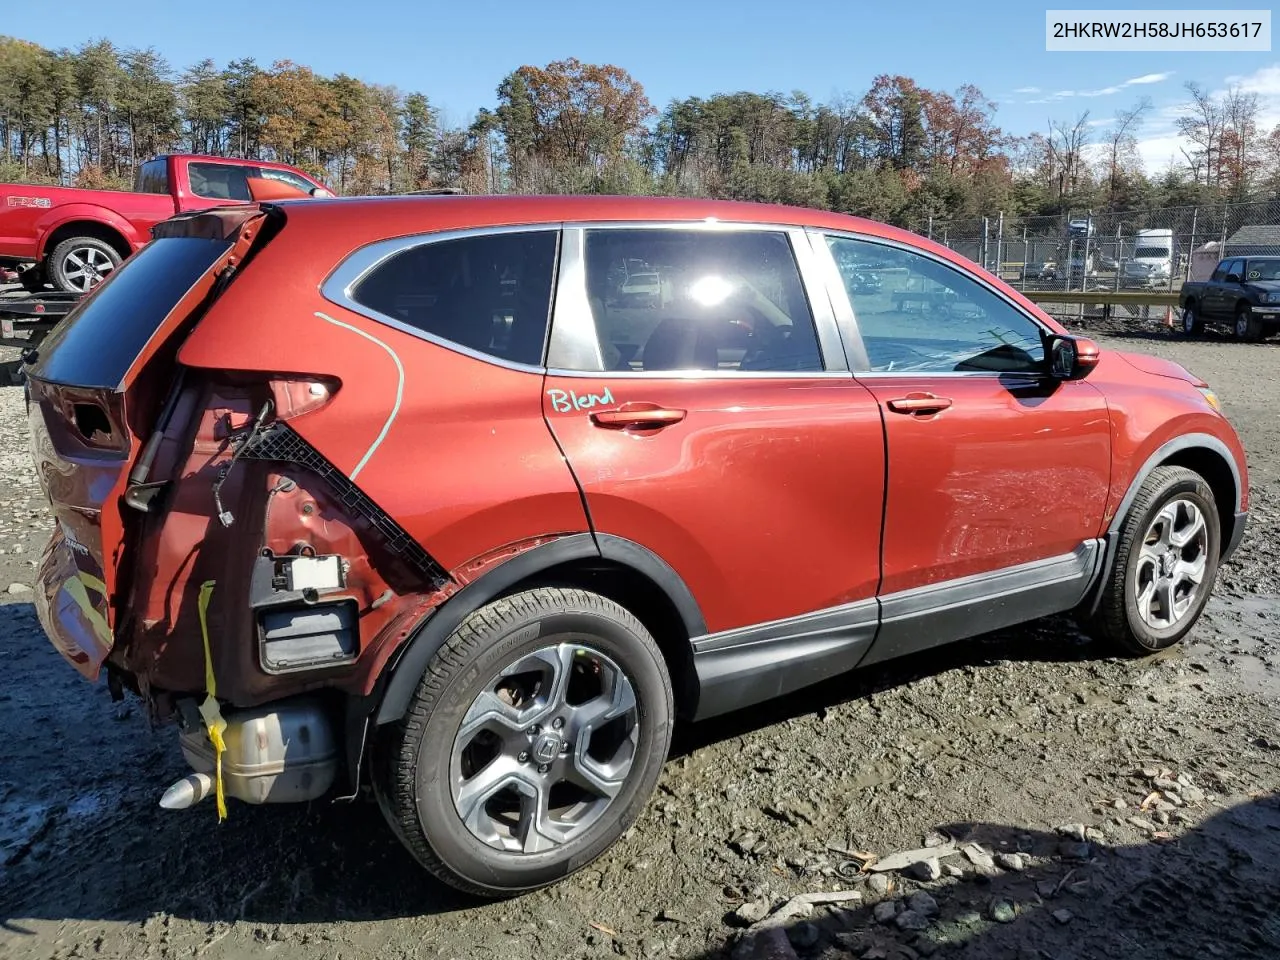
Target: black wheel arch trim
<point x="400" y="677"/>
<point x="1190" y="441"/>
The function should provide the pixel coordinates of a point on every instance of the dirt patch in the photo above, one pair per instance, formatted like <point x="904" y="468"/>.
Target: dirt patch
<point x="1032" y="744"/>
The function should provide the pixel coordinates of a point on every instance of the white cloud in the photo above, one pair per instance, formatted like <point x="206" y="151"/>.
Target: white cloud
<point x="1108" y="91"/>
<point x="1027" y="90"/>
<point x="1265" y="81"/>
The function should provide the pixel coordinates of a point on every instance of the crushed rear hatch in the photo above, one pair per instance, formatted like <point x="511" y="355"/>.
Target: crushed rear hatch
<point x="97" y="390"/>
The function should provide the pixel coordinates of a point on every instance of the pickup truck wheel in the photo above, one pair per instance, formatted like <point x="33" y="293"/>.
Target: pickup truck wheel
<point x="1192" y="325"/>
<point x="80" y="263"/>
<point x="1165" y="564"/>
<point x="1247" y="326"/>
<point x="533" y="741"/>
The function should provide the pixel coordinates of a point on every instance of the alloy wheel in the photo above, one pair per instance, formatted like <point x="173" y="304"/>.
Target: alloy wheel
<point x="1171" y="564"/>
<point x="85" y="267"/>
<point x="544" y="748"/>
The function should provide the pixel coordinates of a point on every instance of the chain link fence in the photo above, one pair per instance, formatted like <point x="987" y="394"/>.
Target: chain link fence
<point x="1139" y="250"/>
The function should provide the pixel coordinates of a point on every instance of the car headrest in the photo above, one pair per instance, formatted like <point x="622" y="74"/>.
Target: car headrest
<point x="679" y="343"/>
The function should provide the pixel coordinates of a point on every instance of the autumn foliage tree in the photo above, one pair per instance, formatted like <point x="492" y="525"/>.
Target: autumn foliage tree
<point x="898" y="151"/>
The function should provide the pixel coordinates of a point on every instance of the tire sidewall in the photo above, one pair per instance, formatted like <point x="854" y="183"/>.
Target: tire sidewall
<point x="1189" y="320"/>
<point x="1143" y="634"/>
<point x="59" y="256"/>
<point x="444" y="830"/>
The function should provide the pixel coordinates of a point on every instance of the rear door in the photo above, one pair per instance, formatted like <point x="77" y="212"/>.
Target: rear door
<point x="997" y="475"/>
<point x="715" y="424"/>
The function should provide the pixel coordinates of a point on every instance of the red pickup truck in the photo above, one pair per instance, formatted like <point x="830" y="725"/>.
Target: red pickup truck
<point x="75" y="237"/>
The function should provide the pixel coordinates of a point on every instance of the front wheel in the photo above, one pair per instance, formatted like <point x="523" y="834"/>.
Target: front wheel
<point x="1165" y="564"/>
<point x="1247" y="327"/>
<point x="532" y="743"/>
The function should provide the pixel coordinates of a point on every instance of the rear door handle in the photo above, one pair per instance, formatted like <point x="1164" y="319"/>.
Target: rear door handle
<point x="637" y="415"/>
<point x="919" y="404"/>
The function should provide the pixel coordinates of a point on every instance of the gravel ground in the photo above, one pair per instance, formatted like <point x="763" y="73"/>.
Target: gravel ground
<point x="1072" y="805"/>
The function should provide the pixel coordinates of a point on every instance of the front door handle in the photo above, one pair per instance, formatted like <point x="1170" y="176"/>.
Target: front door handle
<point x="919" y="404"/>
<point x="637" y="415"/>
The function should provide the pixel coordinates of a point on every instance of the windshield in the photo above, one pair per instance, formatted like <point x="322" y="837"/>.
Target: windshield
<point x="1263" y="270"/>
<point x="1151" y="253"/>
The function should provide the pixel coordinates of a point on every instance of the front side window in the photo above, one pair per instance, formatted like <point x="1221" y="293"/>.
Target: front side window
<point x="488" y="293"/>
<point x="672" y="299"/>
<point x="219" y="181"/>
<point x="918" y="315"/>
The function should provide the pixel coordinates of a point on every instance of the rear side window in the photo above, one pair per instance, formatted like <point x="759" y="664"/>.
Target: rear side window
<point x="489" y="293"/>
<point x="97" y="342"/>
<point x="153" y="177"/>
<point x="671" y="299"/>
<point x="218" y="181"/>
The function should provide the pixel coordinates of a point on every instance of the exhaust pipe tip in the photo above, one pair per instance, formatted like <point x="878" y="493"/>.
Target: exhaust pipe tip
<point x="187" y="792"/>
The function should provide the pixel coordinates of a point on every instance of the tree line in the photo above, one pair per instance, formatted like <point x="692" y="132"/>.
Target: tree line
<point x="899" y="152"/>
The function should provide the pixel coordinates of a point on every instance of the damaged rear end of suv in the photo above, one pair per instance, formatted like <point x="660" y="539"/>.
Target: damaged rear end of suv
<point x="205" y="556"/>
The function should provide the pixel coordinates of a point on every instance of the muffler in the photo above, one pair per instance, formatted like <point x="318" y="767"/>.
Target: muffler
<point x="283" y="752"/>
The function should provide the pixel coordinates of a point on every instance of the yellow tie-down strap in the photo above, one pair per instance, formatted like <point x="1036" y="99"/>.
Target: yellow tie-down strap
<point x="77" y="588"/>
<point x="209" y="708"/>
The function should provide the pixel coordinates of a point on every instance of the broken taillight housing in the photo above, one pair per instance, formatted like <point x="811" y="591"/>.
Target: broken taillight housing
<point x="293" y="397"/>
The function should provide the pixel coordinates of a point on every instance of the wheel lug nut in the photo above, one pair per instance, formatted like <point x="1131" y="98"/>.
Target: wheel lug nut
<point x="535" y="730"/>
<point x="558" y="722"/>
<point x="524" y="756"/>
<point x="543" y="767"/>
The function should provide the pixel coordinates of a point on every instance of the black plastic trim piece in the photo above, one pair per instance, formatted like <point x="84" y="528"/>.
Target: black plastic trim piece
<point x="1187" y="441"/>
<point x="1237" y="534"/>
<point x="645" y="561"/>
<point x="941" y="613"/>
<point x="407" y="669"/>
<point x="279" y="442"/>
<point x="738" y="668"/>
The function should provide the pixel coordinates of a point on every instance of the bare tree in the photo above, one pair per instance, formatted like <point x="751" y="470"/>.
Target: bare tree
<point x="1066" y="152"/>
<point x="1202" y="123"/>
<point x="1121" y="142"/>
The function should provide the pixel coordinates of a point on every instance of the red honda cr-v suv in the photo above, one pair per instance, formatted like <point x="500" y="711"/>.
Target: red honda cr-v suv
<point x="472" y="496"/>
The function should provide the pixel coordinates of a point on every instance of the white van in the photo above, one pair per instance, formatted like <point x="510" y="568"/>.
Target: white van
<point x="1153" y="260"/>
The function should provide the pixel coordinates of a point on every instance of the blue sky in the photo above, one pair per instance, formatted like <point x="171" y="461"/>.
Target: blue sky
<point x="457" y="53"/>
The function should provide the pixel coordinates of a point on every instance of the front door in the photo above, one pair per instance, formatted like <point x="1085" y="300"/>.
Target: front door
<point x="997" y="475"/>
<point x="710" y="419"/>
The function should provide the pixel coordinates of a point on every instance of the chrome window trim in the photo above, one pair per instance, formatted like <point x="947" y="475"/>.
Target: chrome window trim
<point x="573" y="330"/>
<point x="338" y="285"/>
<point x="840" y="296"/>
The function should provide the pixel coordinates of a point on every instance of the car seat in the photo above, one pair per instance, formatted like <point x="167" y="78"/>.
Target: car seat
<point x="680" y="343"/>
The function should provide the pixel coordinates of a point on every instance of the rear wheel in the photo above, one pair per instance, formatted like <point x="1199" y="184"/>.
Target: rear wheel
<point x="532" y="743"/>
<point x="81" y="263"/>
<point x="1165" y="564"/>
<point x="1192" y="325"/>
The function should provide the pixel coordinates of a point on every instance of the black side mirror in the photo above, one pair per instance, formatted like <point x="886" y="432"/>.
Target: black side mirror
<point x="1233" y="278"/>
<point x="1070" y="358"/>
